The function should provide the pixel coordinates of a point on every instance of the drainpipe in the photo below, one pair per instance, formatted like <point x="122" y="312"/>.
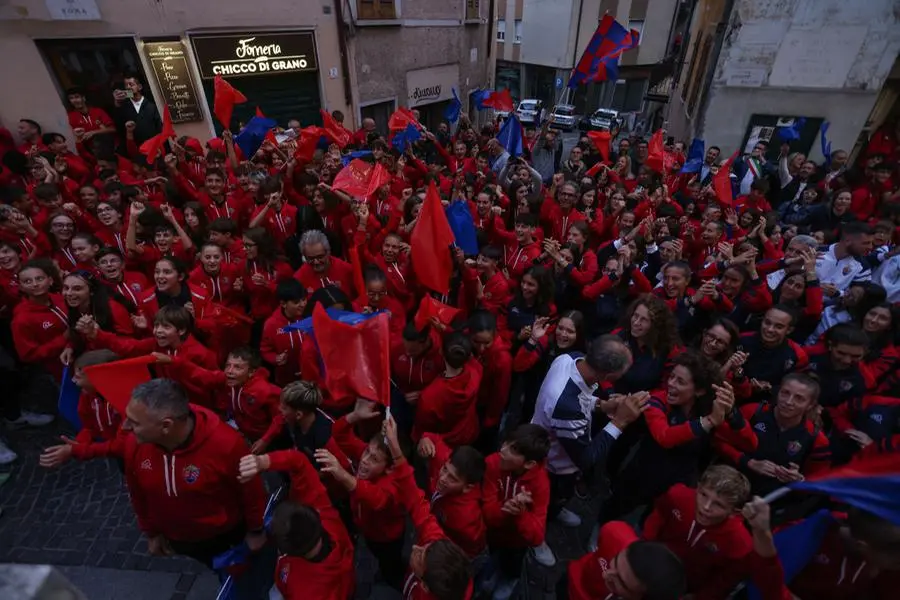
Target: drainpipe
<point x="342" y="44"/>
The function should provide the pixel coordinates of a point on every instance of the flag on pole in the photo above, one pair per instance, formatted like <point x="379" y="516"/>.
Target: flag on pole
<point x="333" y="130"/>
<point x="155" y="146"/>
<point x="402" y="139"/>
<point x="114" y="381"/>
<point x="253" y="134"/>
<point x="512" y="136"/>
<point x="826" y="144"/>
<point x="430" y="244"/>
<point x="601" y="55"/>
<point x="225" y="97"/>
<point x="791" y="132"/>
<point x="696" y="154"/>
<point x="501" y="101"/>
<point x="454" y="109"/>
<point x="601" y="141"/>
<point x="721" y="182"/>
<point x="68" y="400"/>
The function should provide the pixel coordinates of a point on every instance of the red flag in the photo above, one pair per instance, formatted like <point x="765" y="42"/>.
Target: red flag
<point x="270" y="137"/>
<point x="601" y="140"/>
<point x="499" y="101"/>
<point x="259" y="113"/>
<point x="225" y="99"/>
<point x="379" y="177"/>
<point x="115" y="380"/>
<point x="655" y="151"/>
<point x="403" y="118"/>
<point x="356" y="264"/>
<point x="361" y="178"/>
<point x="721" y="182"/>
<point x="429" y="307"/>
<point x="306" y="145"/>
<point x="334" y="131"/>
<point x="356" y="357"/>
<point x="153" y="147"/>
<point x="430" y="244"/>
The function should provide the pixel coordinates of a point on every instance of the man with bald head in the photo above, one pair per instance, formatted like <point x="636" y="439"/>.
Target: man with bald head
<point x="360" y="138"/>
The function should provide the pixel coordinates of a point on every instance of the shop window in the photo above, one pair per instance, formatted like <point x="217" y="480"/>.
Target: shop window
<point x="380" y="113"/>
<point x="501" y="30"/>
<point x="376" y="9"/>
<point x="518" y="31"/>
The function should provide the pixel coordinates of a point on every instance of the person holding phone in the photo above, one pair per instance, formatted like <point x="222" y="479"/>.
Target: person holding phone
<point x="133" y="107"/>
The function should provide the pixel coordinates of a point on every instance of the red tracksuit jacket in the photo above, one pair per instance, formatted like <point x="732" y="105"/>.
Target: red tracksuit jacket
<point x="376" y="504"/>
<point x="514" y="531"/>
<point x="297" y="578"/>
<point x="191" y="494"/>
<point x="709" y="555"/>
<point x="253" y="406"/>
<point x="263" y="297"/>
<point x="458" y="514"/>
<point x="99" y="420"/>
<point x="493" y="393"/>
<point x="38" y="333"/>
<point x="414" y="373"/>
<point x="427" y="529"/>
<point x="448" y="407"/>
<point x="275" y="340"/>
<point x="339" y="273"/>
<point x="586" y="580"/>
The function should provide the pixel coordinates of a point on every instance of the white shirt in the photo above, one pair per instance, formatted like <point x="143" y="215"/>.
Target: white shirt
<point x="137" y="104"/>
<point x="840" y="273"/>
<point x="888" y="277"/>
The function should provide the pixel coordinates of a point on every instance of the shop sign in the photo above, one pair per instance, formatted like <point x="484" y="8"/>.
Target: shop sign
<point x="435" y="84"/>
<point x="252" y="54"/>
<point x="173" y="75"/>
<point x="73" y="10"/>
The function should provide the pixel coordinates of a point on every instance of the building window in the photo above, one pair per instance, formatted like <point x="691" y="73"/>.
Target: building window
<point x="473" y="10"/>
<point x="518" y="31"/>
<point x="637" y="25"/>
<point x="380" y="112"/>
<point x="501" y="30"/>
<point x="376" y="9"/>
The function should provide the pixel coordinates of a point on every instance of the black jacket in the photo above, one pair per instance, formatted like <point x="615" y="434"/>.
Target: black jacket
<point x="148" y="122"/>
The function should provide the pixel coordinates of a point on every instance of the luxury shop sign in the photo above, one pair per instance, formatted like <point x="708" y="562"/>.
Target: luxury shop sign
<point x="252" y="54"/>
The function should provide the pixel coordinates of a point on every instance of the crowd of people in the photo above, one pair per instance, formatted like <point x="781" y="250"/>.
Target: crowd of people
<point x="629" y="349"/>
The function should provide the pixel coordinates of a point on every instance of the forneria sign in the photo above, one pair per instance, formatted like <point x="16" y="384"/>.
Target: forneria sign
<point x="252" y="54"/>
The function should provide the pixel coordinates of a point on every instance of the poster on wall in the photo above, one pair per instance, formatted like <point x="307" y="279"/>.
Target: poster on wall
<point x="168" y="61"/>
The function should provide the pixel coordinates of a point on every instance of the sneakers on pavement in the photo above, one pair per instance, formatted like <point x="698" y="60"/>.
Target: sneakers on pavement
<point x="568" y="518"/>
<point x="7" y="456"/>
<point x="30" y="419"/>
<point x="544" y="555"/>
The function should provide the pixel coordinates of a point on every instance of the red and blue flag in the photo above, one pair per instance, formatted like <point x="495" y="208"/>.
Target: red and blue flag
<point x="600" y="59"/>
<point x="512" y="136"/>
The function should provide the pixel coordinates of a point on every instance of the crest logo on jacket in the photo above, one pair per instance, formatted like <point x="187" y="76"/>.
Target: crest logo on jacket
<point x="284" y="572"/>
<point x="760" y="427"/>
<point x="846" y="386"/>
<point x="794" y="447"/>
<point x="146" y="465"/>
<point x="191" y="474"/>
<point x="877" y="417"/>
<point x="47" y="324"/>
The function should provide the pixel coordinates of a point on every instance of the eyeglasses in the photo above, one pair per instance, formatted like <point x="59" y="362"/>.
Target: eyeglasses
<point x="316" y="259"/>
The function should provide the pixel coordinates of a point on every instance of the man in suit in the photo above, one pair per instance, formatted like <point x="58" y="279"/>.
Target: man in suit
<point x="133" y="106"/>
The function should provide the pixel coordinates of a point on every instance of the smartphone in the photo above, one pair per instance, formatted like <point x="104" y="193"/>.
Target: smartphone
<point x="129" y="94"/>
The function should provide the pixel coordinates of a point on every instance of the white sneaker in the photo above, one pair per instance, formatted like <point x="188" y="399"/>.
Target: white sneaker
<point x="31" y="419"/>
<point x="544" y="555"/>
<point x="568" y="518"/>
<point x="7" y="456"/>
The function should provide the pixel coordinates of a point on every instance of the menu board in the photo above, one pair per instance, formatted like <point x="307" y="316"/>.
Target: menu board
<point x="170" y="67"/>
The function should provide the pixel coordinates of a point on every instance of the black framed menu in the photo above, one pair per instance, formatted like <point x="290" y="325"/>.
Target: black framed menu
<point x="173" y="75"/>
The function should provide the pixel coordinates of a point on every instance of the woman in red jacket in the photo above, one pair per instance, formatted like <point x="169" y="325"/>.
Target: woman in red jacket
<point x="86" y="297"/>
<point x="171" y="289"/>
<point x="129" y="286"/>
<point x="280" y="347"/>
<point x="221" y="282"/>
<point x="10" y="262"/>
<point x="493" y="354"/>
<point x="262" y="272"/>
<point x="447" y="406"/>
<point x="60" y="231"/>
<point x="40" y="324"/>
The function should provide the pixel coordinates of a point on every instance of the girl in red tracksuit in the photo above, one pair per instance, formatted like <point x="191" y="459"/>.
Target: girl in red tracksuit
<point x="447" y="406"/>
<point x="241" y="391"/>
<point x="493" y="353"/>
<point x="376" y="297"/>
<point x="281" y="347"/>
<point x="263" y="273"/>
<point x="85" y="296"/>
<point x="374" y="497"/>
<point x="128" y="285"/>
<point x="219" y="281"/>
<point x="391" y="260"/>
<point x="171" y="289"/>
<point x="40" y="324"/>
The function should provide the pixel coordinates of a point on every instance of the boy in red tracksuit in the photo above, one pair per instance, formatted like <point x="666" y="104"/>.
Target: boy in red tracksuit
<point x="516" y="495"/>
<point x="519" y="247"/>
<point x="623" y="566"/>
<point x="490" y="285"/>
<point x="438" y="568"/>
<point x="374" y="497"/>
<point x="315" y="553"/>
<point x="448" y="405"/>
<point x="99" y="420"/>
<point x="454" y="483"/>
<point x="280" y="347"/>
<point x="704" y="529"/>
<point x="242" y="391"/>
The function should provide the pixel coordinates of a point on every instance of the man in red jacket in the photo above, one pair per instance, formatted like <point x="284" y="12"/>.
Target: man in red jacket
<point x="181" y="465"/>
<point x="320" y="268"/>
<point x="703" y="528"/>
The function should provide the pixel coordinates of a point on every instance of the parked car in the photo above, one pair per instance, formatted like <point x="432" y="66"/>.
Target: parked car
<point x="530" y="112"/>
<point x="563" y="117"/>
<point x="602" y="118"/>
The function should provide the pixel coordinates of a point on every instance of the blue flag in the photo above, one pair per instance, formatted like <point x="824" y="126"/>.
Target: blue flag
<point x="479" y="96"/>
<point x="460" y="218"/>
<point x="871" y="485"/>
<point x="253" y="135"/>
<point x="68" y="400"/>
<point x="402" y="139"/>
<point x="797" y="545"/>
<point x="345" y="159"/>
<point x="696" y="154"/>
<point x="511" y="135"/>
<point x="792" y="131"/>
<point x="453" y="110"/>
<point x="826" y="144"/>
<point x="341" y="316"/>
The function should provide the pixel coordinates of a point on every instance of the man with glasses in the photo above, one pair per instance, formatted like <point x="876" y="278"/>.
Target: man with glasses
<point x="321" y="269"/>
<point x="181" y="465"/>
